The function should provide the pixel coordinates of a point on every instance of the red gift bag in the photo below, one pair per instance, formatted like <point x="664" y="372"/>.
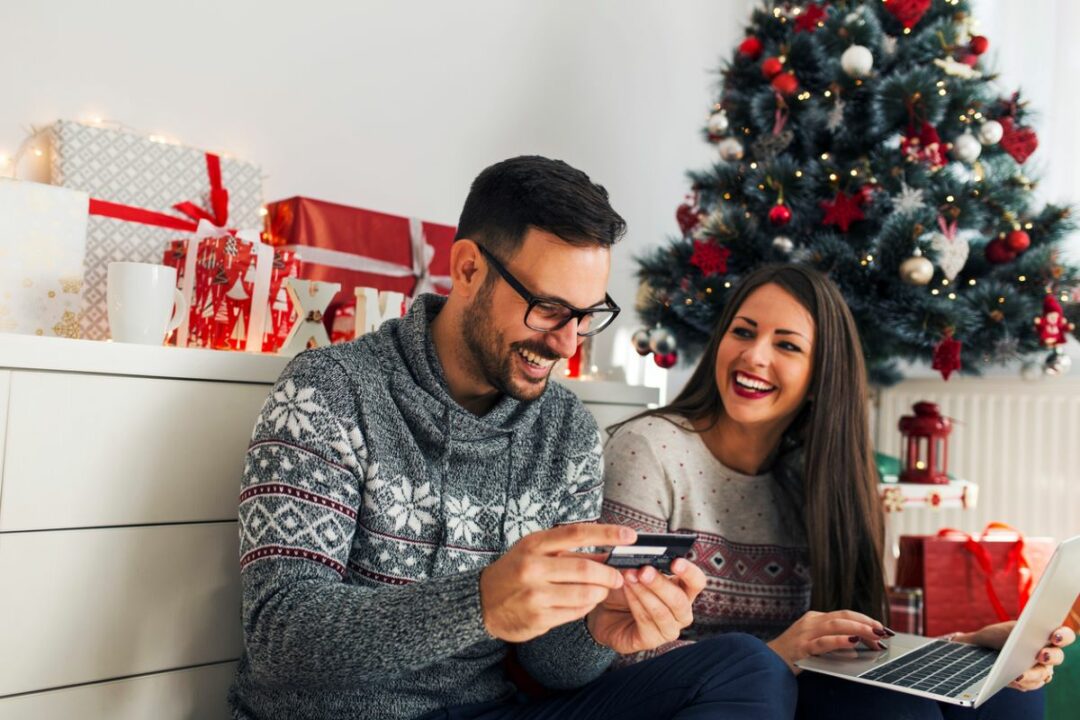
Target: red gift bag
<point x="969" y="582"/>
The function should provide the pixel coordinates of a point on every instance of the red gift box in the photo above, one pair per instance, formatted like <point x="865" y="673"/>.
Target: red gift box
<point x="361" y="248"/>
<point x="969" y="582"/>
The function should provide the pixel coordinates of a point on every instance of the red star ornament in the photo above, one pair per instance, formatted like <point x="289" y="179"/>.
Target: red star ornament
<point x="842" y="211"/>
<point x="908" y="12"/>
<point x="947" y="355"/>
<point x="710" y="258"/>
<point x="809" y="18"/>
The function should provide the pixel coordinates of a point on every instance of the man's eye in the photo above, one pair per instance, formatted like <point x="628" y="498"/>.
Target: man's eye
<point x="549" y="311"/>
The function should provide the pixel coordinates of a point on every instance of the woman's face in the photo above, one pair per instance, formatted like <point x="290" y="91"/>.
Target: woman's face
<point x="765" y="359"/>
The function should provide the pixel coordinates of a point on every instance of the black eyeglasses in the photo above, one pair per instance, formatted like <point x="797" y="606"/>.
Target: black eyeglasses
<point x="546" y="314"/>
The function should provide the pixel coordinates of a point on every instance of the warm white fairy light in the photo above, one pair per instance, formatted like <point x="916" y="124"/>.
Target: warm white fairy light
<point x="727" y="196"/>
<point x="1001" y="301"/>
<point x="798" y="173"/>
<point x="934" y="291"/>
<point x="1022" y="278"/>
<point x="825" y="156"/>
<point x="854" y="172"/>
<point x="1028" y="226"/>
<point x="753" y="166"/>
<point x="971" y="282"/>
<point x="944" y="281"/>
<point x="833" y="177"/>
<point x="950" y="198"/>
<point x="952" y="296"/>
<point x="263" y="211"/>
<point x="727" y="284"/>
<point x="828" y="93"/>
<point x="942" y="92"/>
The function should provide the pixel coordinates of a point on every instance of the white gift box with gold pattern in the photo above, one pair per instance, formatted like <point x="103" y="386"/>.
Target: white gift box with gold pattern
<point x="42" y="246"/>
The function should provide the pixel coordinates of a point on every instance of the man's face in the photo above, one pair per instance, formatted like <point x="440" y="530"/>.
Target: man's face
<point x="511" y="357"/>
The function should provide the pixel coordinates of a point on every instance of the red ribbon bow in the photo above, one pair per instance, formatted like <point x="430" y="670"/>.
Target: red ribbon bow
<point x="1016" y="558"/>
<point x="218" y="214"/>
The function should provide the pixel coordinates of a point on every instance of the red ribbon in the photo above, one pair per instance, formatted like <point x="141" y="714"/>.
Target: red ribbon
<point x="1016" y="558"/>
<point x="218" y="213"/>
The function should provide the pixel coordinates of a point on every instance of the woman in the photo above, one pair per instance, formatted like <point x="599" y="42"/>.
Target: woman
<point x="766" y="454"/>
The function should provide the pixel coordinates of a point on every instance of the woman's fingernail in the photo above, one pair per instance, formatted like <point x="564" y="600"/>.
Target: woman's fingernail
<point x="880" y="632"/>
<point x="1058" y="637"/>
<point x="1046" y="657"/>
<point x="882" y="646"/>
<point x="853" y="639"/>
<point x="1019" y="678"/>
<point x="890" y="633"/>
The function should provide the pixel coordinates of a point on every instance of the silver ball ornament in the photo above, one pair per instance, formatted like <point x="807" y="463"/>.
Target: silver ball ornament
<point x="916" y="270"/>
<point x="662" y="341"/>
<point x="730" y="149"/>
<point x="991" y="132"/>
<point x="783" y="244"/>
<point x="857" y="61"/>
<point x="966" y="148"/>
<point x="640" y="340"/>
<point x="718" y="123"/>
<point x="1057" y="363"/>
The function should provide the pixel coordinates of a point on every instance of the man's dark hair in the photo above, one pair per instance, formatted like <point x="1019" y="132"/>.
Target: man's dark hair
<point x="511" y="196"/>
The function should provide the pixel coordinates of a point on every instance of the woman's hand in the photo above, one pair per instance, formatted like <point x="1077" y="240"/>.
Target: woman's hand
<point x="1039" y="674"/>
<point x="817" y="633"/>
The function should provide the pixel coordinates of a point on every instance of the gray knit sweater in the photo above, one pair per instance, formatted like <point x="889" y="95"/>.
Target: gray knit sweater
<point x="370" y="503"/>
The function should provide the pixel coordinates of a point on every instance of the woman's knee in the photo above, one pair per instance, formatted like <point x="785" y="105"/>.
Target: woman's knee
<point x="751" y="661"/>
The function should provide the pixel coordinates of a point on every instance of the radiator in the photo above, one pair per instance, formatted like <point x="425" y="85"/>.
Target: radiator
<point x="1018" y="439"/>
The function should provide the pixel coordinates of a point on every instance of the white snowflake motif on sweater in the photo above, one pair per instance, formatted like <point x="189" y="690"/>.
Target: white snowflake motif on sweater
<point x="461" y="518"/>
<point x="293" y="409"/>
<point x="411" y="505"/>
<point x="523" y="517"/>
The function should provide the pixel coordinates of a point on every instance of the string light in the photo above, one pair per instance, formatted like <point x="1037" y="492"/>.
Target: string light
<point x="942" y="91"/>
<point x="1022" y="278"/>
<point x="798" y="173"/>
<point x="934" y="291"/>
<point x="727" y="196"/>
<point x="689" y="301"/>
<point x="825" y="156"/>
<point x="941" y="83"/>
<point x="854" y="172"/>
<point x="944" y="281"/>
<point x="828" y="93"/>
<point x="950" y="198"/>
<point x="727" y="284"/>
<point x="708" y="291"/>
<point x="907" y="31"/>
<point x="263" y="211"/>
<point x="971" y="282"/>
<point x="952" y="296"/>
<point x="833" y="177"/>
<point x="1028" y="226"/>
<point x="1001" y="301"/>
<point x="753" y="166"/>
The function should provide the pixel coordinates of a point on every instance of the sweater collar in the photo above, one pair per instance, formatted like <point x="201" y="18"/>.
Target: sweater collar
<point x="419" y="357"/>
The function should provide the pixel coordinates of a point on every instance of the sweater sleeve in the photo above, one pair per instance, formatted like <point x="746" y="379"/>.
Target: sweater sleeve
<point x="567" y="656"/>
<point x="637" y="491"/>
<point x="303" y="482"/>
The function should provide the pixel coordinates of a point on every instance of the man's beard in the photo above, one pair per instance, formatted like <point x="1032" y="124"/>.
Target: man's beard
<point x="494" y="365"/>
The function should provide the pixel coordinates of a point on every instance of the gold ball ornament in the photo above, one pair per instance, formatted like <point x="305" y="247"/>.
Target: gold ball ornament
<point x="916" y="270"/>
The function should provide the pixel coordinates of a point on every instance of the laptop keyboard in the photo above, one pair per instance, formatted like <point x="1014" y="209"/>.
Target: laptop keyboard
<point x="941" y="667"/>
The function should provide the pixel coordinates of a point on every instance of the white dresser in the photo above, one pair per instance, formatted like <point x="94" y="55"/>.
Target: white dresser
<point x="119" y="471"/>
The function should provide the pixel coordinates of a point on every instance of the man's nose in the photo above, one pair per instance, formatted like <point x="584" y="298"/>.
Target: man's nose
<point x="565" y="340"/>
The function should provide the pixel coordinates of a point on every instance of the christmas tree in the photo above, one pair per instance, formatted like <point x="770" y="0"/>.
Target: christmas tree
<point x="868" y="140"/>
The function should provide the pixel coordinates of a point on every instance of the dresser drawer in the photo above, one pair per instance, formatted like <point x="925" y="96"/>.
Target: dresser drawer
<point x="87" y="450"/>
<point x="79" y="606"/>
<point x="177" y="695"/>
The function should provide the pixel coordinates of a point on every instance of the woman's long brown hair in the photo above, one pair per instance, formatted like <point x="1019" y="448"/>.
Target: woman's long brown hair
<point x="825" y="461"/>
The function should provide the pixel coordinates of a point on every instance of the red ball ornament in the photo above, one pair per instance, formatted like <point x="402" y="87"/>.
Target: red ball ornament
<point x="970" y="59"/>
<point x="771" y="67"/>
<point x="998" y="252"/>
<point x="1018" y="241"/>
<point x="750" y="47"/>
<point x="780" y="215"/>
<point x="666" y="360"/>
<point x="785" y="83"/>
<point x="979" y="44"/>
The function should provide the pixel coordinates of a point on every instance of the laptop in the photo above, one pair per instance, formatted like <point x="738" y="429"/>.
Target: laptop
<point x="958" y="673"/>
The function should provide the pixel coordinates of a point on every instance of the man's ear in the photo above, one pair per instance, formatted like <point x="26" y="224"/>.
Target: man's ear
<point x="466" y="269"/>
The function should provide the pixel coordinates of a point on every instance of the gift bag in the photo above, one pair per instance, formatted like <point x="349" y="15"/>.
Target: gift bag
<point x="42" y="242"/>
<point x="906" y="609"/>
<point x="969" y="582"/>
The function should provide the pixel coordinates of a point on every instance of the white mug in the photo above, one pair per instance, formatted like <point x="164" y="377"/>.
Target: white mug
<point x="141" y="299"/>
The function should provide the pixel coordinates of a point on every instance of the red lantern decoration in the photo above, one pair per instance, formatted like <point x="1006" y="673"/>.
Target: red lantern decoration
<point x="925" y="445"/>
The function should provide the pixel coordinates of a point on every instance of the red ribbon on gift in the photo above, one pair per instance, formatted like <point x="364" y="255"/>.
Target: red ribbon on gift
<point x="1016" y="558"/>
<point x="218" y="213"/>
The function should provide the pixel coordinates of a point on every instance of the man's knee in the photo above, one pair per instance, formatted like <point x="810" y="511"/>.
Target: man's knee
<point x="749" y="661"/>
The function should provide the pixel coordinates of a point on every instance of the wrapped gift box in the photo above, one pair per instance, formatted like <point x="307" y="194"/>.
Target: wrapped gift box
<point x="361" y="248"/>
<point x="42" y="242"/>
<point x="143" y="194"/>
<point x="969" y="582"/>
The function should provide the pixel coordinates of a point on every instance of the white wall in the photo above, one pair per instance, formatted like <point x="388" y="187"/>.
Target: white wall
<point x="394" y="106"/>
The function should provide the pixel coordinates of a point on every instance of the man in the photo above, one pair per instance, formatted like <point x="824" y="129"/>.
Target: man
<point x="412" y="502"/>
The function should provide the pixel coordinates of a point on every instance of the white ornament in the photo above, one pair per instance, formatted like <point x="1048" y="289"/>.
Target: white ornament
<point x="909" y="200"/>
<point x="966" y="148"/>
<point x="836" y="116"/>
<point x="857" y="61"/>
<point x="718" y="123"/>
<point x="957" y="69"/>
<point x="991" y="132"/>
<point x="784" y="244"/>
<point x="951" y="253"/>
<point x="730" y="149"/>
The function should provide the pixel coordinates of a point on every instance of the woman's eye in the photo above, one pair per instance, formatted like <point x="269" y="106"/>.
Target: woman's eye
<point x="790" y="346"/>
<point x="742" y="332"/>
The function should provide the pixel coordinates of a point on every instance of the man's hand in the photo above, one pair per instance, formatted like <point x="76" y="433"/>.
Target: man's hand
<point x="539" y="585"/>
<point x="1039" y="674"/>
<point x="650" y="610"/>
<point x="817" y="633"/>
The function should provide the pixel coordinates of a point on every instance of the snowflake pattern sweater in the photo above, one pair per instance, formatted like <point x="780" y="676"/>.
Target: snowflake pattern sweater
<point x="370" y="503"/>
